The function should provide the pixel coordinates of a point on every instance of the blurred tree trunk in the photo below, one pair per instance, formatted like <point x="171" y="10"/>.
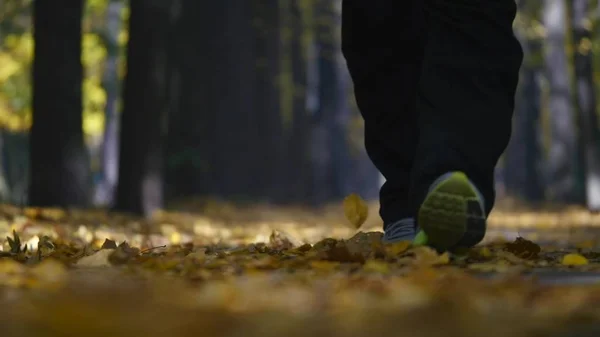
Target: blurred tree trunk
<point x="195" y="64"/>
<point x="235" y="141"/>
<point x="145" y="111"/>
<point x="59" y="173"/>
<point x="225" y="132"/>
<point x="110" y="144"/>
<point x="563" y="148"/>
<point x="524" y="155"/>
<point x="330" y="146"/>
<point x="589" y="146"/>
<point x="268" y="180"/>
<point x="298" y="16"/>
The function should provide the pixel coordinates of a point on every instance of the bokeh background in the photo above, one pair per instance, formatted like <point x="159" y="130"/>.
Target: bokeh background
<point x="256" y="105"/>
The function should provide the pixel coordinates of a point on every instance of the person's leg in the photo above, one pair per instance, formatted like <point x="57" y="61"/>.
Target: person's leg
<point x="382" y="42"/>
<point x="465" y="106"/>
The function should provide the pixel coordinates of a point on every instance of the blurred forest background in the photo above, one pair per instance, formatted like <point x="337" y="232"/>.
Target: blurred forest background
<point x="250" y="101"/>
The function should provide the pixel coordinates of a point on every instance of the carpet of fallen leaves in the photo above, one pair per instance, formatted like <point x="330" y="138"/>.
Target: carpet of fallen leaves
<point x="218" y="270"/>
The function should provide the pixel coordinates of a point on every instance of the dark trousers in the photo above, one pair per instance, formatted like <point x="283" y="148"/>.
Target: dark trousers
<point x="435" y="82"/>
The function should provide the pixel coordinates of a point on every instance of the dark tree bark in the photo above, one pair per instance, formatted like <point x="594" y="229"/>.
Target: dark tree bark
<point x="299" y="164"/>
<point x="59" y="174"/>
<point x="225" y="131"/>
<point x="332" y="169"/>
<point x="269" y="180"/>
<point x="146" y="105"/>
<point x="523" y="158"/>
<point x="193" y="67"/>
<point x="589" y="135"/>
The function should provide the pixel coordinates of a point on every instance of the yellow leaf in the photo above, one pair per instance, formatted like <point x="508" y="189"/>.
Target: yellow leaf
<point x="426" y="256"/>
<point x="574" y="260"/>
<point x="376" y="266"/>
<point x="398" y="247"/>
<point x="485" y="252"/>
<point x="356" y="210"/>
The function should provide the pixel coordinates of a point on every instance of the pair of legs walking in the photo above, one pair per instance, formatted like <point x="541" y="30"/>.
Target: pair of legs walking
<point x="435" y="82"/>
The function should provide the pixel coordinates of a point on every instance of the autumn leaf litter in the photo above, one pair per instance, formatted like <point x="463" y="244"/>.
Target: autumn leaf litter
<point x="351" y="281"/>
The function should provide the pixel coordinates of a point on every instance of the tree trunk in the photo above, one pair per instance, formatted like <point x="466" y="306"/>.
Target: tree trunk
<point x="524" y="154"/>
<point x="563" y="148"/>
<point x="193" y="66"/>
<point x="110" y="144"/>
<point x="586" y="103"/>
<point x="145" y="111"/>
<point x="225" y="137"/>
<point x="299" y="165"/>
<point x="269" y="180"/>
<point x="59" y="173"/>
<point x="333" y="169"/>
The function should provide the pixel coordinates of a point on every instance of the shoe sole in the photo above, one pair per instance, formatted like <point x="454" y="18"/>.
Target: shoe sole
<point x="450" y="210"/>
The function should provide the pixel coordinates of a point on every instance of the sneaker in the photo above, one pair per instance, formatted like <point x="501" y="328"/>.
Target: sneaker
<point x="402" y="230"/>
<point x="452" y="214"/>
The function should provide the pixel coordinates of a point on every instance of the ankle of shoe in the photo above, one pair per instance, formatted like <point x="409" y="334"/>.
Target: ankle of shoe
<point x="401" y="230"/>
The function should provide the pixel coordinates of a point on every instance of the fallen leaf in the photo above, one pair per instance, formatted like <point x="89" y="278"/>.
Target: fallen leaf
<point x="376" y="266"/>
<point x="342" y="253"/>
<point x="356" y="210"/>
<point x="485" y="252"/>
<point x="98" y="259"/>
<point x="123" y="253"/>
<point x="397" y="248"/>
<point x="282" y="241"/>
<point x="574" y="260"/>
<point x="324" y="265"/>
<point x="109" y="244"/>
<point x="198" y="255"/>
<point x="426" y="256"/>
<point x="587" y="244"/>
<point x="14" y="243"/>
<point x="45" y="246"/>
<point x="523" y="248"/>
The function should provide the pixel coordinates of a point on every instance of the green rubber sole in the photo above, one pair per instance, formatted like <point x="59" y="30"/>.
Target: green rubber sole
<point x="448" y="211"/>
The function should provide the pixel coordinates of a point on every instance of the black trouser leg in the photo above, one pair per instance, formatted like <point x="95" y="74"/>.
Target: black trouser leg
<point x="383" y="43"/>
<point x="466" y="92"/>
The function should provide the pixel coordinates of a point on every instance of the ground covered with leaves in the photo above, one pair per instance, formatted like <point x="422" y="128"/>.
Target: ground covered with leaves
<point x="219" y="270"/>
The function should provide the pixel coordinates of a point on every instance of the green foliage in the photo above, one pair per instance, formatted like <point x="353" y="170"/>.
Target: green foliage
<point x="16" y="56"/>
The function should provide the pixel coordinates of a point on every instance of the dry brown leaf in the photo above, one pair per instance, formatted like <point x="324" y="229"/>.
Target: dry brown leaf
<point x="356" y="210"/>
<point x="123" y="253"/>
<point x="523" y="248"/>
<point x="341" y="253"/>
<point x="109" y="244"/>
<point x="283" y="241"/>
<point x="98" y="259"/>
